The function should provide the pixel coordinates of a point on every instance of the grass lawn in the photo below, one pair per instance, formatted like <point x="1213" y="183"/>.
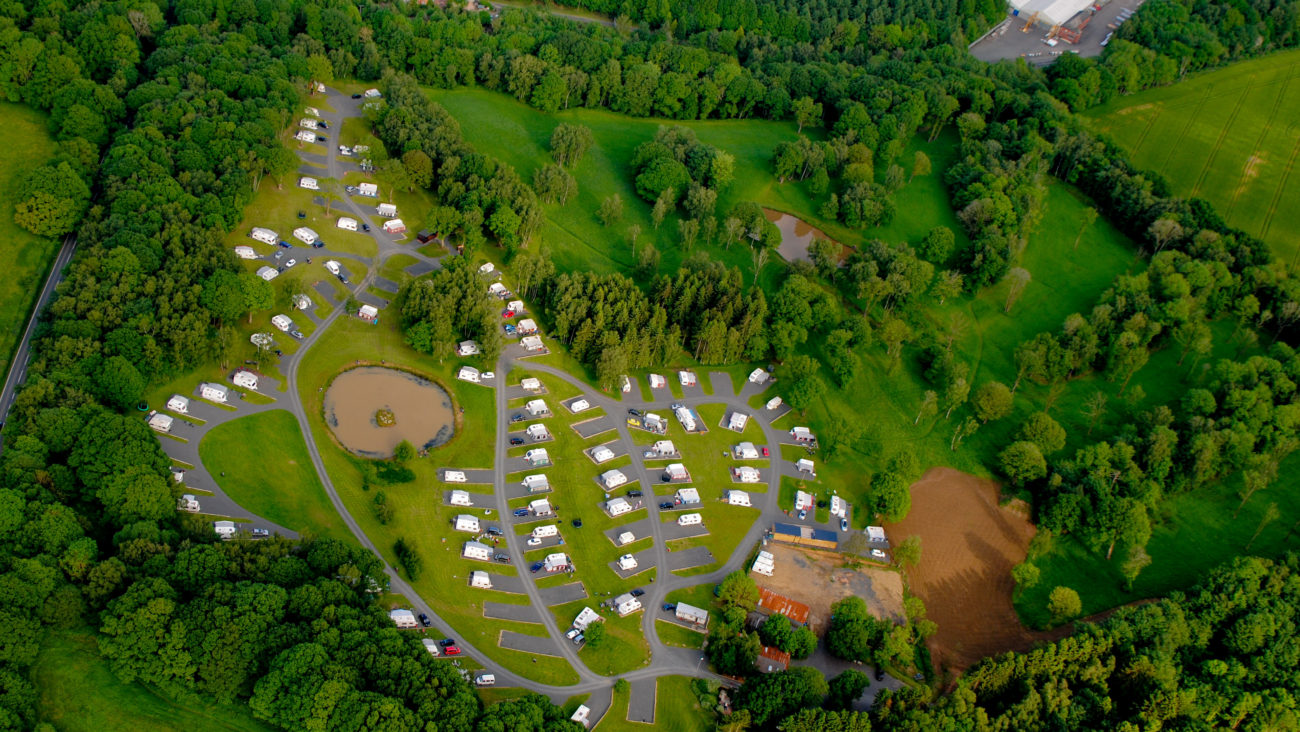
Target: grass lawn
<point x="24" y="257"/>
<point x="497" y="124"/>
<point x="419" y="514"/>
<point x="1226" y="135"/>
<point x="676" y="710"/>
<point x="79" y="693"/>
<point x="284" y="487"/>
<point x="277" y="209"/>
<point x="625" y="648"/>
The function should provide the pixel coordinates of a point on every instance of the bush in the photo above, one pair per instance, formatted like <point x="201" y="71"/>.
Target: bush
<point x="1064" y="604"/>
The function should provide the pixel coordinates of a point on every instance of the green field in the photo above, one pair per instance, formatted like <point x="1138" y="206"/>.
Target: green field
<point x="676" y="710"/>
<point x="24" y="258"/>
<point x="79" y="693"/>
<point x="1229" y="136"/>
<point x="284" y="488"/>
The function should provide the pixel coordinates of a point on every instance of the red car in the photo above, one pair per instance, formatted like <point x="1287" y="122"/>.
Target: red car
<point x="765" y="452"/>
<point x="452" y="650"/>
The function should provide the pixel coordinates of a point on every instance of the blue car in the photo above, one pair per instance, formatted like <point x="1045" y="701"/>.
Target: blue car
<point x="537" y="567"/>
<point x="285" y="244"/>
<point x="521" y="512"/>
<point x="510" y="329"/>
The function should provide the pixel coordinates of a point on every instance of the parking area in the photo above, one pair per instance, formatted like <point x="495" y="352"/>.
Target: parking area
<point x="518" y="613"/>
<point x="529" y="643"/>
<point x="640" y="529"/>
<point x="1010" y="40"/>
<point x="641" y="701"/>
<point x="472" y="476"/>
<point x="592" y="427"/>
<point x="645" y="561"/>
<point x="476" y="500"/>
<point x="672" y="531"/>
<point x="696" y="556"/>
<point x="561" y="594"/>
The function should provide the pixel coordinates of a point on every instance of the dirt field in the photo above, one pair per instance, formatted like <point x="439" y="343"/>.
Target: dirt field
<point x="968" y="546"/>
<point x="818" y="579"/>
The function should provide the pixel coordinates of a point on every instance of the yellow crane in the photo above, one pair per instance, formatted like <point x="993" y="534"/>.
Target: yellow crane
<point x="1029" y="23"/>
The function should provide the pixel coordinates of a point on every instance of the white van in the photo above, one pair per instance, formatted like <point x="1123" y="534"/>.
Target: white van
<point x="485" y="680"/>
<point x="690" y="519"/>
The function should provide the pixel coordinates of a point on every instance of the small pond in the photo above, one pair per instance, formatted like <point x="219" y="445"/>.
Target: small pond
<point x="418" y="409"/>
<point x="796" y="235"/>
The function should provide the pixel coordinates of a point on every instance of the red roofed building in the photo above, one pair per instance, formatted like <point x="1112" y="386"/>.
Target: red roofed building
<point x="771" y="660"/>
<point x="770" y="602"/>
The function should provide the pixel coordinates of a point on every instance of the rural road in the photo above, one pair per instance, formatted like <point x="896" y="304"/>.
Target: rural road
<point x="553" y="10"/>
<point x="22" y="355"/>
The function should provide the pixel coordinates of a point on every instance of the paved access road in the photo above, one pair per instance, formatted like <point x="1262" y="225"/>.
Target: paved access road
<point x="23" y="354"/>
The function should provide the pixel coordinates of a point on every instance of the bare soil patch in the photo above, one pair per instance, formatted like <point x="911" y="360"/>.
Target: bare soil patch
<point x="819" y="579"/>
<point x="968" y="546"/>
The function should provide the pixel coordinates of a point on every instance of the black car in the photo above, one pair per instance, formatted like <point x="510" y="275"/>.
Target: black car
<point x="322" y="124"/>
<point x="634" y="493"/>
<point x="670" y="606"/>
<point x="577" y="523"/>
<point x="425" y="621"/>
<point x="446" y="642"/>
<point x="356" y="96"/>
<point x="880" y="674"/>
<point x="665" y="505"/>
<point x="494" y="531"/>
<point x="638" y="592"/>
<point x="321" y="138"/>
<point x="515" y="419"/>
<point x="636" y="412"/>
<point x="499" y="557"/>
<point x="344" y="279"/>
<point x="318" y="245"/>
<point x="365" y="227"/>
<point x="516" y="440"/>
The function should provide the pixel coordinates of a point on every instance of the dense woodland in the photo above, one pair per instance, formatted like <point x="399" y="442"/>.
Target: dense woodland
<point x="168" y="117"/>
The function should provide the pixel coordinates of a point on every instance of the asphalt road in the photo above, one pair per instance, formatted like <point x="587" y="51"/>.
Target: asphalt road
<point x="21" y="357"/>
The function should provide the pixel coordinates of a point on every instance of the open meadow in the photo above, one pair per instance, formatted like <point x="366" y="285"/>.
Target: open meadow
<point x="1230" y="136"/>
<point x="24" y="257"/>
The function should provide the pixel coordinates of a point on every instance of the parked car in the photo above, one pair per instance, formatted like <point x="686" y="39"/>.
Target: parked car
<point x="665" y="505"/>
<point x="494" y="530"/>
<point x="321" y="138"/>
<point x="302" y="214"/>
<point x="765" y="452"/>
<point x="516" y="419"/>
<point x="534" y="541"/>
<point x="510" y="329"/>
<point x="844" y="524"/>
<point x="452" y="650"/>
<point x="425" y="621"/>
<point x="500" y="557"/>
<point x="286" y="245"/>
<point x="577" y="523"/>
<point x="670" y="606"/>
<point x="636" y="412"/>
<point x="516" y="440"/>
<point x="522" y="512"/>
<point x="365" y="227"/>
<point x="880" y="674"/>
<point x="803" y="514"/>
<point x="638" y="592"/>
<point x="572" y="633"/>
<point x="579" y="639"/>
<point x="344" y="279"/>
<point x="536" y="567"/>
<point x="356" y="96"/>
<point x="261" y="533"/>
<point x="322" y="124"/>
<point x="634" y="493"/>
<point x="278" y="256"/>
<point x="318" y="244"/>
<point x="633" y="422"/>
<point x="447" y="642"/>
<point x="290" y="263"/>
<point x="296" y="334"/>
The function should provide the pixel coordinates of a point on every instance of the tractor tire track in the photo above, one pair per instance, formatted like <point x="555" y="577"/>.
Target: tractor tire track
<point x="1223" y="135"/>
<point x="1243" y="180"/>
<point x="1281" y="188"/>
<point x="1191" y="119"/>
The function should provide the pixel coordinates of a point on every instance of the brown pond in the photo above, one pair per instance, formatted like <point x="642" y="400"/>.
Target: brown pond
<point x="796" y="236"/>
<point x="422" y="410"/>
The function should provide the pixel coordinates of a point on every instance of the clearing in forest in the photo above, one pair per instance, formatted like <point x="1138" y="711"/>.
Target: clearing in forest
<point x="1229" y="136"/>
